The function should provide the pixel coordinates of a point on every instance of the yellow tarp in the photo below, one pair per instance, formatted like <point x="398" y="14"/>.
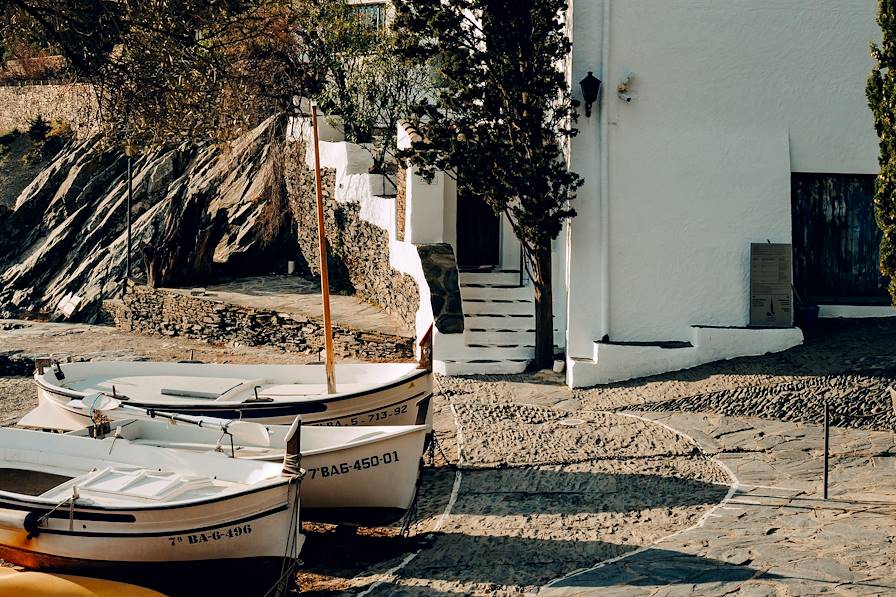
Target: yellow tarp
<point x="39" y="584"/>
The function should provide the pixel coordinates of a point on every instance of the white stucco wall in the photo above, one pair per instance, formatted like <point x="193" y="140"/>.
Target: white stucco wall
<point x="730" y="97"/>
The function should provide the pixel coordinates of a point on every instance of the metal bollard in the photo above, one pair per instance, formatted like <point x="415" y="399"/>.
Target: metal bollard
<point x="827" y="438"/>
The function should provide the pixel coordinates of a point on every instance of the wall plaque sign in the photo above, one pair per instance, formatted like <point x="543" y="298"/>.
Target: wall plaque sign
<point x="771" y="277"/>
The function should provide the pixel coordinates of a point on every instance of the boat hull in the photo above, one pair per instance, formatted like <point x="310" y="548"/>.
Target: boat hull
<point x="405" y="401"/>
<point x="368" y="485"/>
<point x="357" y="477"/>
<point x="247" y="525"/>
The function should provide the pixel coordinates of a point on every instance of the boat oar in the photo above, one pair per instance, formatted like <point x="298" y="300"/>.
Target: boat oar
<point x="243" y="432"/>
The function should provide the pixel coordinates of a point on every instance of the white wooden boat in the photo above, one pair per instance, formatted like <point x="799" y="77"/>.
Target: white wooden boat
<point x="76" y="503"/>
<point x="367" y="394"/>
<point x="361" y="476"/>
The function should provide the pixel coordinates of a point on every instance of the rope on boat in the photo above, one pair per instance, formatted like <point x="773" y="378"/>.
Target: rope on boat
<point x="411" y="514"/>
<point x="71" y="513"/>
<point x="291" y="560"/>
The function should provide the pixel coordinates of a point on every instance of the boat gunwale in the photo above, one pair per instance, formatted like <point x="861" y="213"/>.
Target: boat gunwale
<point x="266" y="484"/>
<point x="256" y="408"/>
<point x="412" y="375"/>
<point x="285" y="506"/>
<point x="411" y="429"/>
<point x="385" y="432"/>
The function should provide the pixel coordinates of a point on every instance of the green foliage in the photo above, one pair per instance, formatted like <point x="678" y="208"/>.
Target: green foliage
<point x="881" y="93"/>
<point x="8" y="136"/>
<point x="503" y="110"/>
<point x="362" y="80"/>
<point x="500" y="118"/>
<point x="169" y="70"/>
<point x="38" y="129"/>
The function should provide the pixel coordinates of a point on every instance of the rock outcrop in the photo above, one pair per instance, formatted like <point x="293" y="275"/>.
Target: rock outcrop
<point x="198" y="212"/>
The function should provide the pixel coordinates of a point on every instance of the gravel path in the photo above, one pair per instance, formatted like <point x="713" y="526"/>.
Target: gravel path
<point x="539" y="495"/>
<point x="533" y="481"/>
<point x="850" y="363"/>
<point x="534" y="492"/>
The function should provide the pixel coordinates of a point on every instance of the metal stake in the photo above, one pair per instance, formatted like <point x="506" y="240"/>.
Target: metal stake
<point x="827" y="438"/>
<point x="130" y="197"/>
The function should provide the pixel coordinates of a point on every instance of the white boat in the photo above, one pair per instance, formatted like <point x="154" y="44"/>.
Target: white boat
<point x="81" y="504"/>
<point x="360" y="476"/>
<point x="367" y="394"/>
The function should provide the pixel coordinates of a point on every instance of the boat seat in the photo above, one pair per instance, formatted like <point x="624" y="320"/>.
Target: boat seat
<point x="240" y="392"/>
<point x="209" y="388"/>
<point x="144" y="484"/>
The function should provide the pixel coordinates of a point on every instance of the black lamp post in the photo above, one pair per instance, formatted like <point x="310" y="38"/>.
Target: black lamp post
<point x="590" y="90"/>
<point x="129" y="151"/>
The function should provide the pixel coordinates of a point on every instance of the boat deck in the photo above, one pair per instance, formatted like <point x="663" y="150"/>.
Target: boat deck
<point x="113" y="485"/>
<point x="174" y="389"/>
<point x="29" y="482"/>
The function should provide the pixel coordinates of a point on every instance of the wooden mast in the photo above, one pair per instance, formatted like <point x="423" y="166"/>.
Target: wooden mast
<point x="324" y="275"/>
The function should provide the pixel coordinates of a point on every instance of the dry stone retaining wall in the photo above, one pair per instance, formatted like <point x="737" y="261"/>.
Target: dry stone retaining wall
<point x="71" y="103"/>
<point x="358" y="251"/>
<point x="164" y="312"/>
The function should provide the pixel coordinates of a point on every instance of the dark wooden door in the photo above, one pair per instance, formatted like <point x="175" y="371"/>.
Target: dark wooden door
<point x="836" y="242"/>
<point x="478" y="233"/>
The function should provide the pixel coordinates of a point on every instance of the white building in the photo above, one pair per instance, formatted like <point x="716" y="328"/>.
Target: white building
<point x="740" y="121"/>
<point x="730" y="101"/>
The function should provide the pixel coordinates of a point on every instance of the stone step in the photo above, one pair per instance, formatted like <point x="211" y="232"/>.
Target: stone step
<point x="500" y="322"/>
<point x="472" y="352"/>
<point x="475" y="367"/>
<point x="496" y="337"/>
<point x="499" y="307"/>
<point x="502" y="277"/>
<point x="496" y="292"/>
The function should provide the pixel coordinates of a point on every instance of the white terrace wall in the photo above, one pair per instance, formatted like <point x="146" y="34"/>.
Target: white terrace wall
<point x="418" y="253"/>
<point x="728" y="98"/>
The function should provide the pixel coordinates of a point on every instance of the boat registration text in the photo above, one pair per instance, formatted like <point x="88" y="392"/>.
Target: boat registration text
<point x="344" y="468"/>
<point x="216" y="535"/>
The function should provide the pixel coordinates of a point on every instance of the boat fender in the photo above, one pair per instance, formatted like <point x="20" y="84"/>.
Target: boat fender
<point x="16" y="520"/>
<point x="32" y="525"/>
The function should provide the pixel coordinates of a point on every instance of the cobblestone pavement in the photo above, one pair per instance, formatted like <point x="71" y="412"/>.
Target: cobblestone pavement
<point x="773" y="534"/>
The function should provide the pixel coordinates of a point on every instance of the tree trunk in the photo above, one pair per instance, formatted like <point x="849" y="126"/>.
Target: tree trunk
<point x="544" y="308"/>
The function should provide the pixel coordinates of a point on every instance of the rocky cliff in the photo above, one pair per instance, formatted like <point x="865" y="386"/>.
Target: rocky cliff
<point x="198" y="213"/>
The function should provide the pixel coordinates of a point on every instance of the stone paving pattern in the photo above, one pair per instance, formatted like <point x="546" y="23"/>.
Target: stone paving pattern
<point x="553" y="481"/>
<point x="776" y="535"/>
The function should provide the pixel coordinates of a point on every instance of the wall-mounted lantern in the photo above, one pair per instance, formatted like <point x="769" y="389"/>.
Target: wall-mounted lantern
<point x="590" y="90"/>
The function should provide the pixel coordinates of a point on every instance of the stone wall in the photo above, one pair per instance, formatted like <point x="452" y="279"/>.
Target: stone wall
<point x="401" y="201"/>
<point x="357" y="251"/>
<point x="160" y="312"/>
<point x="70" y="103"/>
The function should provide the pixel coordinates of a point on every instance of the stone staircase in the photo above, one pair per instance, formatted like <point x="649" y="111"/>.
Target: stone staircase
<point x="499" y="326"/>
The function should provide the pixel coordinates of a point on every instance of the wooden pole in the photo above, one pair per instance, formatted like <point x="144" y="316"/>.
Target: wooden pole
<point x="324" y="275"/>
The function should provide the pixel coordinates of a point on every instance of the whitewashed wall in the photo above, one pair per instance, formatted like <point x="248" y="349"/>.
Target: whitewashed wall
<point x="730" y="97"/>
